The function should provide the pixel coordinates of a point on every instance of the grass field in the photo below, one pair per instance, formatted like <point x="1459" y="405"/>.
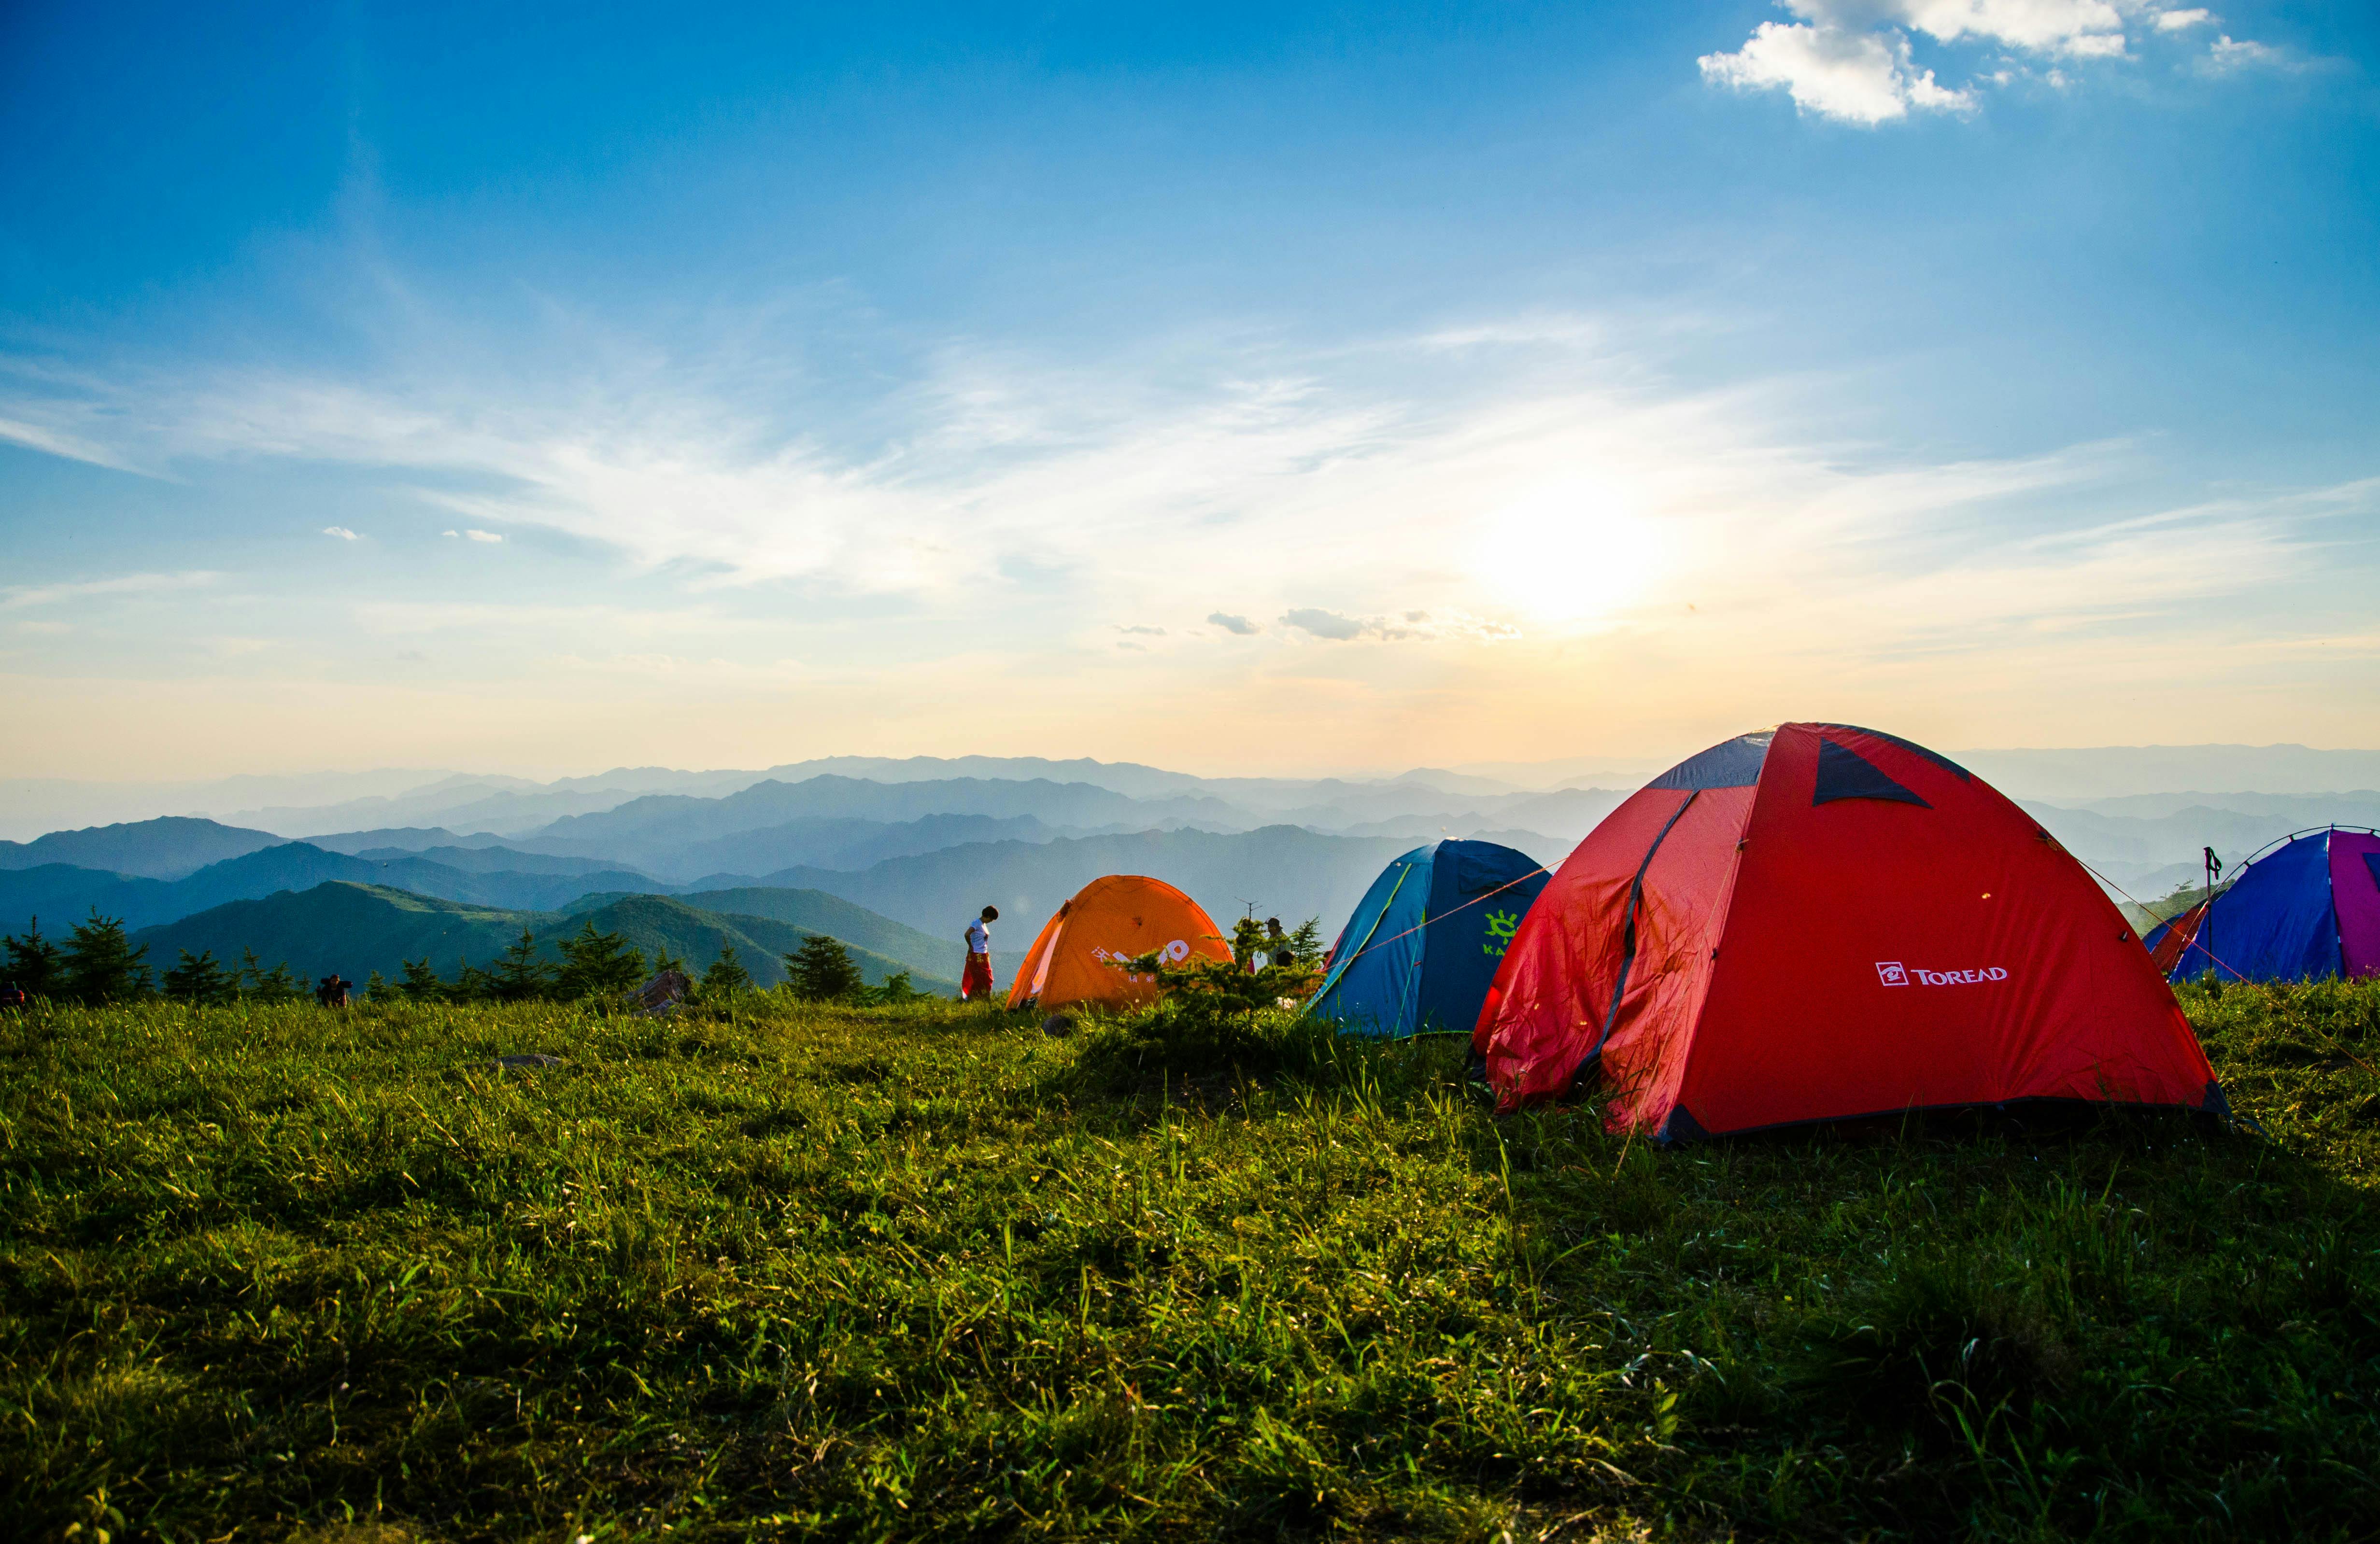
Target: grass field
<point x="808" y="1272"/>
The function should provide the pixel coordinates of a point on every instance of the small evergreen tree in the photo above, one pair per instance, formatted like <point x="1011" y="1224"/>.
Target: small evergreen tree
<point x="198" y="980"/>
<point x="280" y="984"/>
<point x="422" y="983"/>
<point x="1248" y="943"/>
<point x="596" y="964"/>
<point x="726" y="977"/>
<point x="100" y="965"/>
<point x="470" y="984"/>
<point x="897" y="989"/>
<point x="33" y="962"/>
<point x="1305" y="945"/>
<point x="822" y="970"/>
<point x="377" y="989"/>
<point x="518" y="975"/>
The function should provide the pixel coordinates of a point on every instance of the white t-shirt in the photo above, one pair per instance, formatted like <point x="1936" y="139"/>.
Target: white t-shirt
<point x="979" y="937"/>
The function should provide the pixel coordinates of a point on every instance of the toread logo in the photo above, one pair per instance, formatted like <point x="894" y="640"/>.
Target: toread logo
<point x="1892" y="972"/>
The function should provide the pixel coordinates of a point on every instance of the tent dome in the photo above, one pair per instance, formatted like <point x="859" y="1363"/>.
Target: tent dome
<point x="1817" y="923"/>
<point x="1422" y="945"/>
<point x="2306" y="909"/>
<point x="1120" y="917"/>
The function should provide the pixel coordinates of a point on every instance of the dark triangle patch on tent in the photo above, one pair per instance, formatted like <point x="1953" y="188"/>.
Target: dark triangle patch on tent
<point x="1914" y="749"/>
<point x="2371" y="861"/>
<point x="1843" y="773"/>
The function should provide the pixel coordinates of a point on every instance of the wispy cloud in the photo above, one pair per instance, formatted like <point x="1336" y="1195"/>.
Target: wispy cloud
<point x="95" y="590"/>
<point x="339" y="531"/>
<point x="1854" y="60"/>
<point x="1349" y="492"/>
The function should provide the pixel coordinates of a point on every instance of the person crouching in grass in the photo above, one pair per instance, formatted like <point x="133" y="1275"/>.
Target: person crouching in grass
<point x="976" y="982"/>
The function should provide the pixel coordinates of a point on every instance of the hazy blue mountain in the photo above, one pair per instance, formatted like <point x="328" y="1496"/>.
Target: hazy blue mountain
<point x="61" y="895"/>
<point x="2143" y="855"/>
<point x="167" y="847"/>
<point x="824" y="841"/>
<point x="1283" y="871"/>
<point x="643" y="825"/>
<point x="497" y="860"/>
<point x="402" y="839"/>
<point x="2357" y="807"/>
<point x="817" y="912"/>
<point x="1417" y="830"/>
<point x="357" y="929"/>
<point x="64" y="894"/>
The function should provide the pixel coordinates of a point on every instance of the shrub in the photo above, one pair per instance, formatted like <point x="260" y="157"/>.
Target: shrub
<point x="821" y="971"/>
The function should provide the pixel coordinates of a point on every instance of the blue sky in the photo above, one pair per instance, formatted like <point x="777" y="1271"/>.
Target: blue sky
<point x="1284" y="388"/>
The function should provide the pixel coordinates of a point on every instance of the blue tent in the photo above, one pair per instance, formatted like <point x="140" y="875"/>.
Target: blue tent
<point x="1424" y="944"/>
<point x="2306" y="909"/>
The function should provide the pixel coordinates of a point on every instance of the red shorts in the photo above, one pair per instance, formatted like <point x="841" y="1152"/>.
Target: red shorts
<point x="976" y="981"/>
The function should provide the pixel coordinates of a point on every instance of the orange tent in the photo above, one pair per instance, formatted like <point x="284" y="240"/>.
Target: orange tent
<point x="1120" y="917"/>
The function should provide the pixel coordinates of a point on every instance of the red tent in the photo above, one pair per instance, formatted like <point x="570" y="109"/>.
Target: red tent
<point x="1822" y="921"/>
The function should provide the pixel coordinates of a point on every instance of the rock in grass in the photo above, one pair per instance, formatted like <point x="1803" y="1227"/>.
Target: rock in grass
<point x="528" y="1059"/>
<point x="1057" y="1026"/>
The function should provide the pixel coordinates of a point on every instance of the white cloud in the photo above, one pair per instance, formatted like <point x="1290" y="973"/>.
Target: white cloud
<point x="1863" y="77"/>
<point x="2227" y="55"/>
<point x="1325" y="624"/>
<point x="1852" y="60"/>
<point x="1344" y="490"/>
<point x="339" y="531"/>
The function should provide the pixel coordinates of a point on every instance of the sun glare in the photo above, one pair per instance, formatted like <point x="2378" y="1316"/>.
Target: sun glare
<point x="1573" y="552"/>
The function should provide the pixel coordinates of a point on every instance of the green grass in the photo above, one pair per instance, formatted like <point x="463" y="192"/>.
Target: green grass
<point x="813" y="1273"/>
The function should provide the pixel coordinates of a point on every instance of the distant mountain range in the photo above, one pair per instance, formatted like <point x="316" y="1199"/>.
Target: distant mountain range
<point x="171" y="847"/>
<point x="308" y="805"/>
<point x="1282" y="871"/>
<point x="357" y="929"/>
<point x="911" y="849"/>
<point x="64" y="894"/>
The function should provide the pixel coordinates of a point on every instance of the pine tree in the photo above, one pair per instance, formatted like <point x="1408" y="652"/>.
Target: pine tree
<point x="471" y="984"/>
<point x="280" y="984"/>
<point x="422" y="983"/>
<point x="377" y="989"/>
<point x="897" y="989"/>
<point x="1305" y="945"/>
<point x="33" y="962"/>
<point x="100" y="965"/>
<point x="822" y="971"/>
<point x="596" y="964"/>
<point x="518" y="975"/>
<point x="198" y="980"/>
<point x="727" y="976"/>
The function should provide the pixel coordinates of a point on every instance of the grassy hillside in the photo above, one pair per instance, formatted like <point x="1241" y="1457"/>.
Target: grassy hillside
<point x="357" y="929"/>
<point x="275" y="1274"/>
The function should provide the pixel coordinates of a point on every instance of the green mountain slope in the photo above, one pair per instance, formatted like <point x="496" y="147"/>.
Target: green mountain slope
<point x="357" y="929"/>
<point x="696" y="934"/>
<point x="922" y="954"/>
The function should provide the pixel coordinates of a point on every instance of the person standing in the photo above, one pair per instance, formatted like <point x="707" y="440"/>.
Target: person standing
<point x="976" y="982"/>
